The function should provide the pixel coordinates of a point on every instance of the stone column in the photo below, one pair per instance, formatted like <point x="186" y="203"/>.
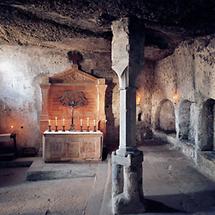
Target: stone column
<point x="127" y="61"/>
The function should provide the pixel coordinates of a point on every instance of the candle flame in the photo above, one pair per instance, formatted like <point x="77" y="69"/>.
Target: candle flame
<point x="138" y="100"/>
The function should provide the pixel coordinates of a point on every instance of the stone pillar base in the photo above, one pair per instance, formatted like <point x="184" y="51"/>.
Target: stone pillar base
<point x="127" y="191"/>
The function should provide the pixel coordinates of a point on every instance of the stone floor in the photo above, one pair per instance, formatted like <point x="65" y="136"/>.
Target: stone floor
<point x="171" y="183"/>
<point x="170" y="178"/>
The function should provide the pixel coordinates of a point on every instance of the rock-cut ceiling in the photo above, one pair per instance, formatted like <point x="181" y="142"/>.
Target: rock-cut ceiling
<point x="167" y="22"/>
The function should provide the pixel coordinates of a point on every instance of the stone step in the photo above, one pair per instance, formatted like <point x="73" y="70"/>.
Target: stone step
<point x="7" y="156"/>
<point x="16" y="163"/>
<point x="40" y="170"/>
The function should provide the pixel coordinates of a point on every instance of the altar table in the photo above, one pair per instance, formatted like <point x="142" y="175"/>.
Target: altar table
<point x="72" y="145"/>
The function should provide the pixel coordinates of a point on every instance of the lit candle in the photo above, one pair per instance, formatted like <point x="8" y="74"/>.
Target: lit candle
<point x="138" y="100"/>
<point x="94" y="122"/>
<point x="49" y="122"/>
<point x="88" y="121"/>
<point x="55" y="121"/>
<point x="81" y="122"/>
<point x="63" y="121"/>
<point x="11" y="126"/>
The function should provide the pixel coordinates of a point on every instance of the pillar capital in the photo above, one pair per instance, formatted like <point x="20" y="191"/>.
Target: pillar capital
<point x="127" y="49"/>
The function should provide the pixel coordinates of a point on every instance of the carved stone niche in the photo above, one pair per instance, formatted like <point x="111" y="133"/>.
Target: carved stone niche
<point x="73" y="80"/>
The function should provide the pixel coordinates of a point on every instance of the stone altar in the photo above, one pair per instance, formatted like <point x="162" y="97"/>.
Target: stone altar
<point x="72" y="146"/>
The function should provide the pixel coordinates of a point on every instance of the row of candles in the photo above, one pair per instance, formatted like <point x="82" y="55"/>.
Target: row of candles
<point x="81" y="122"/>
<point x="71" y="128"/>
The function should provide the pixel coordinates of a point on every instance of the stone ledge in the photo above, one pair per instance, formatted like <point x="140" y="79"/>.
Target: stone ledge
<point x="186" y="147"/>
<point x="19" y="162"/>
<point x="206" y="163"/>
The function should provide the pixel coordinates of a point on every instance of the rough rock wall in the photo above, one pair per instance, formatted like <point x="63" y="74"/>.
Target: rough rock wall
<point x="144" y="92"/>
<point x="23" y="67"/>
<point x="188" y="74"/>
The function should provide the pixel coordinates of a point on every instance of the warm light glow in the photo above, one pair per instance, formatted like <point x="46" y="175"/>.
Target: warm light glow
<point x="81" y="122"/>
<point x="94" y="122"/>
<point x="88" y="121"/>
<point x="138" y="98"/>
<point x="63" y="122"/>
<point x="49" y="122"/>
<point x="175" y="97"/>
<point x="11" y="127"/>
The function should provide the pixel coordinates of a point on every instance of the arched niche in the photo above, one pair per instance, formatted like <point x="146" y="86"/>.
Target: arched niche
<point x="165" y="117"/>
<point x="208" y="126"/>
<point x="185" y="121"/>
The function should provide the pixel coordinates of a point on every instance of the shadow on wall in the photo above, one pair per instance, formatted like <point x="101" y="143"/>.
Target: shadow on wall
<point x="186" y="130"/>
<point x="112" y="137"/>
<point x="165" y="117"/>
<point x="208" y="126"/>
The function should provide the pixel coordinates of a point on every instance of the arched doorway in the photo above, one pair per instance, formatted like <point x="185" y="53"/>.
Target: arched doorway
<point x="166" y="117"/>
<point x="208" y="126"/>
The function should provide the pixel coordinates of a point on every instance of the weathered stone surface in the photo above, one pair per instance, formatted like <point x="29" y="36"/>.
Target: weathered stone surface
<point x="127" y="191"/>
<point x="167" y="24"/>
<point x="68" y="146"/>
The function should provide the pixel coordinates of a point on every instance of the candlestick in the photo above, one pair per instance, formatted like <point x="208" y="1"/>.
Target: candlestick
<point x="50" y="128"/>
<point x="88" y="121"/>
<point x="88" y="128"/>
<point x="55" y="121"/>
<point x="56" y="128"/>
<point x="63" y="128"/>
<point x="72" y="126"/>
<point x="94" y="128"/>
<point x="81" y="128"/>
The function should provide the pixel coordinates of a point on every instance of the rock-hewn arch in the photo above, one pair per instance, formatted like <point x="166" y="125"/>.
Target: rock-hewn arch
<point x="207" y="126"/>
<point x="165" y="117"/>
<point x="185" y="122"/>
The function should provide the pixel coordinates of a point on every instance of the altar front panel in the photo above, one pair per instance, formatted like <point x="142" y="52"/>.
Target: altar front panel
<point x="69" y="146"/>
